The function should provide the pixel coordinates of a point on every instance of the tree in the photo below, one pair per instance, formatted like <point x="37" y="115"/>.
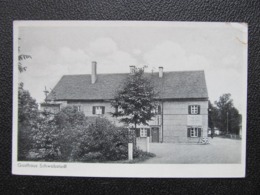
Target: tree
<point x="56" y="135"/>
<point x="27" y="107"/>
<point x="27" y="119"/>
<point x="228" y="118"/>
<point x="27" y="113"/>
<point x="22" y="57"/>
<point x="136" y="100"/>
<point x="69" y="117"/>
<point x="71" y="125"/>
<point x="213" y="117"/>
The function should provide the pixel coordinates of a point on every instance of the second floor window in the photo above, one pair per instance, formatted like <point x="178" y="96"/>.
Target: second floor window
<point x="98" y="110"/>
<point x="194" y="109"/>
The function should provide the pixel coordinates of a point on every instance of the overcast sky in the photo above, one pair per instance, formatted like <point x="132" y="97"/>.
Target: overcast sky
<point x="68" y="48"/>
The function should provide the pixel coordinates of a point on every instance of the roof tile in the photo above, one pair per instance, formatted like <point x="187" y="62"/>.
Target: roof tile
<point x="173" y="85"/>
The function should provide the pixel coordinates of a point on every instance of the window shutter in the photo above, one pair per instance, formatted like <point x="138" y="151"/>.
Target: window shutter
<point x="159" y="109"/>
<point x="103" y="109"/>
<point x="137" y="132"/>
<point x="189" y="109"/>
<point x="188" y="132"/>
<point x="198" y="109"/>
<point x="199" y="132"/>
<point x="148" y="132"/>
<point x="94" y="110"/>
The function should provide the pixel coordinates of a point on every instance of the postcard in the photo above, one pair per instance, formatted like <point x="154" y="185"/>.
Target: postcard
<point x="150" y="99"/>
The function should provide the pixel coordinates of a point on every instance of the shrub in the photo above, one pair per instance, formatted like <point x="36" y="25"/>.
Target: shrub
<point x="70" y="136"/>
<point x="102" y="141"/>
<point x="55" y="136"/>
<point x="44" y="136"/>
<point x="141" y="155"/>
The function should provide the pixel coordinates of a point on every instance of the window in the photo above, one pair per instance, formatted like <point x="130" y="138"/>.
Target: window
<point x="119" y="109"/>
<point x="194" y="109"/>
<point x="194" y="132"/>
<point x="98" y="110"/>
<point x="131" y="131"/>
<point x="143" y="132"/>
<point x="79" y="108"/>
<point x="157" y="110"/>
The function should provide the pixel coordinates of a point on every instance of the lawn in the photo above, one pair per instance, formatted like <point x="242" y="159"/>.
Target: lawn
<point x="219" y="150"/>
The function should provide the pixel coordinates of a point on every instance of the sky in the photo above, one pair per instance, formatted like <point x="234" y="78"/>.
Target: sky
<point x="62" y="48"/>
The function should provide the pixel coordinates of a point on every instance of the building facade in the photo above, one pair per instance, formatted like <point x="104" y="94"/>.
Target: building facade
<point x="181" y="116"/>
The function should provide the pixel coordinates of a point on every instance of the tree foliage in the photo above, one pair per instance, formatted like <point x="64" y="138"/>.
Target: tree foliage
<point x="136" y="100"/>
<point x="70" y="136"/>
<point x="224" y="115"/>
<point x="27" y="107"/>
<point x="28" y="114"/>
<point x="56" y="135"/>
<point x="213" y="116"/>
<point x="22" y="57"/>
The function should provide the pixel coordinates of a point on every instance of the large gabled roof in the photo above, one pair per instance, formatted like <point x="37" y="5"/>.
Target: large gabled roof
<point x="173" y="85"/>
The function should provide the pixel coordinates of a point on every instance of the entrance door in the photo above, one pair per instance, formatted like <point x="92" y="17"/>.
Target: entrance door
<point x="155" y="134"/>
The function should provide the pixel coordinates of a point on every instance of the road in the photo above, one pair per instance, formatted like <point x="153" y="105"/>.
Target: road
<point x="219" y="150"/>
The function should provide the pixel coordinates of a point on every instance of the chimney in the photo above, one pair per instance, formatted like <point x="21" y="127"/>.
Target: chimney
<point x="94" y="72"/>
<point x="160" y="72"/>
<point x="132" y="69"/>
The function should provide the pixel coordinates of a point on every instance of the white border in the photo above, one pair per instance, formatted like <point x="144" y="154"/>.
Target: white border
<point x="124" y="170"/>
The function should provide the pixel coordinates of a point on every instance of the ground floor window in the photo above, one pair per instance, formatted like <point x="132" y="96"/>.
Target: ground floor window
<point x="141" y="132"/>
<point x="194" y="132"/>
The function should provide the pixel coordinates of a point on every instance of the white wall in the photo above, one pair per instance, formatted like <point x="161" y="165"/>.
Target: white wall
<point x="175" y="117"/>
<point x="87" y="107"/>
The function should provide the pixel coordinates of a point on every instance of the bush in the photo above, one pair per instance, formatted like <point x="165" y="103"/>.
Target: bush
<point x="70" y="136"/>
<point x="142" y="155"/>
<point x="45" y="140"/>
<point x="55" y="136"/>
<point x="102" y="142"/>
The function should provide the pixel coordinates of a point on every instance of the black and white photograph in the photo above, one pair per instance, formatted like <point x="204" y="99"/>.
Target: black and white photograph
<point x="129" y="98"/>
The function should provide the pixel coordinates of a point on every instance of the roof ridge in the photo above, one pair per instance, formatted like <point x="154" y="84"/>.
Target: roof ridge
<point x="128" y="73"/>
<point x="97" y="74"/>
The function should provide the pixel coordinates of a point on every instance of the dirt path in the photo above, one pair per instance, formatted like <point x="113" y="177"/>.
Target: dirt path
<point x="218" y="151"/>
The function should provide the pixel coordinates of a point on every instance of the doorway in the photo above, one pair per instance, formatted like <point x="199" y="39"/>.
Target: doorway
<point x="155" y="134"/>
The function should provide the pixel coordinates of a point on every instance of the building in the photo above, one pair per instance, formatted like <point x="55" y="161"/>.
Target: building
<point x="182" y="115"/>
